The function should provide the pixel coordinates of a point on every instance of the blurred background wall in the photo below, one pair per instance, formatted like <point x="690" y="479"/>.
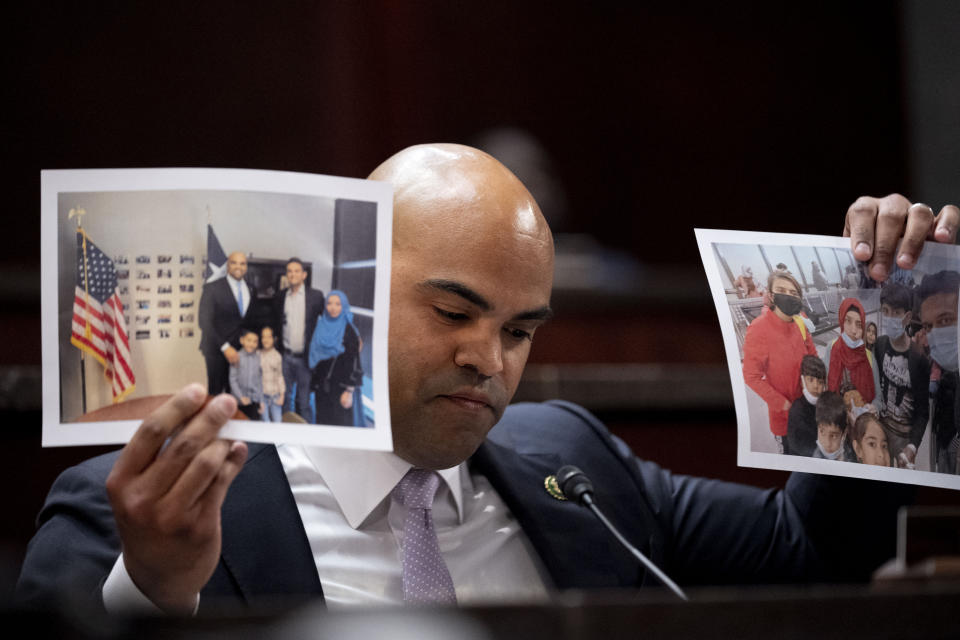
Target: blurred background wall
<point x="633" y="124"/>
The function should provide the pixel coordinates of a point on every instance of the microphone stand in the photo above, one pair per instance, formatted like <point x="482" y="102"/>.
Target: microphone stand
<point x="577" y="488"/>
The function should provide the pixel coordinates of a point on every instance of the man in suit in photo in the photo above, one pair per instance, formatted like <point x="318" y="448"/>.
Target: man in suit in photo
<point x="295" y="313"/>
<point x="224" y="305"/>
<point x="470" y="286"/>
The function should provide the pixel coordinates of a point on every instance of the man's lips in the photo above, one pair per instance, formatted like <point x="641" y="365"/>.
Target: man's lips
<point x="472" y="400"/>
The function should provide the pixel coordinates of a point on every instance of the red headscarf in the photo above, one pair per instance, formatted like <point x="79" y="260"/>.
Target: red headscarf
<point x="854" y="361"/>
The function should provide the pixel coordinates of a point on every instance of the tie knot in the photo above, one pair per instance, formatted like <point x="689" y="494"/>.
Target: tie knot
<point x="416" y="489"/>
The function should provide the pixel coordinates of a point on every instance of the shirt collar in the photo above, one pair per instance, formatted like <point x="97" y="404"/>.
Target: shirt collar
<point x="358" y="494"/>
<point x="233" y="281"/>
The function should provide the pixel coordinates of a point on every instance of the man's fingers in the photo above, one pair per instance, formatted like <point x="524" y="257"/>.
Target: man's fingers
<point x="946" y="225"/>
<point x="891" y="220"/>
<point x="919" y="227"/>
<point x="197" y="476"/>
<point x="875" y="227"/>
<point x="859" y="226"/>
<point x="200" y="430"/>
<point x="217" y="489"/>
<point x="155" y="429"/>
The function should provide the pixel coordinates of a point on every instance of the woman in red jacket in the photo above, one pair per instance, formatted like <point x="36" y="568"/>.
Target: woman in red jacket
<point x="774" y="348"/>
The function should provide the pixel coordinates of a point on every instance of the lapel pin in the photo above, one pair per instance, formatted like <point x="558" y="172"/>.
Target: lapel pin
<point x="550" y="484"/>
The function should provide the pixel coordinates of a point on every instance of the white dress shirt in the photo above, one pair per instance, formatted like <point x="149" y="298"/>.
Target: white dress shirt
<point x="355" y="530"/>
<point x="295" y="320"/>
<point x="235" y="287"/>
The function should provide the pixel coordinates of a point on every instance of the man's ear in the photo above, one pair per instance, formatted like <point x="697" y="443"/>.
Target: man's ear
<point x="907" y="317"/>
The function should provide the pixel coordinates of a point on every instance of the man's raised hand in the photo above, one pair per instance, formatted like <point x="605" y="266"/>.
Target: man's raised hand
<point x="876" y="225"/>
<point x="166" y="500"/>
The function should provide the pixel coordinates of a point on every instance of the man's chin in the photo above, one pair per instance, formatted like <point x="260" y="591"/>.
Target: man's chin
<point x="444" y="447"/>
<point x="434" y="457"/>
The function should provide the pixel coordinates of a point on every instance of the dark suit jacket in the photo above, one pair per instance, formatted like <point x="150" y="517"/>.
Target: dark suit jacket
<point x="699" y="531"/>
<point x="219" y="318"/>
<point x="312" y="306"/>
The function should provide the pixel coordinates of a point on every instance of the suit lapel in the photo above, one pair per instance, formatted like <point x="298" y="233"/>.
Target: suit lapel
<point x="575" y="548"/>
<point x="265" y="548"/>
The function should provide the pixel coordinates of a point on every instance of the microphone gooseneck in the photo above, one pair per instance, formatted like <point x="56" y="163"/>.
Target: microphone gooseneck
<point x="577" y="488"/>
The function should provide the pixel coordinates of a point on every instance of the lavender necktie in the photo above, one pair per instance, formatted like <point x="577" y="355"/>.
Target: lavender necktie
<point x="426" y="578"/>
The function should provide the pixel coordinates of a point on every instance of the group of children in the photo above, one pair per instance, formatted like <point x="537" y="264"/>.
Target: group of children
<point x="257" y="379"/>
<point x="835" y="425"/>
<point x="870" y="405"/>
<point x="877" y="389"/>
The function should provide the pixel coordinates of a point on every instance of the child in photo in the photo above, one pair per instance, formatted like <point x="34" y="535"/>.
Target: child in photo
<point x="831" y="420"/>
<point x="870" y="441"/>
<point x="904" y="394"/>
<point x="855" y="407"/>
<point x="246" y="378"/>
<point x="271" y="366"/>
<point x="870" y="337"/>
<point x="849" y="360"/>
<point x="802" y="422"/>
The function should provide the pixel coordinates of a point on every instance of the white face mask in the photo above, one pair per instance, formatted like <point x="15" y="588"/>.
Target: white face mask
<point x="830" y="456"/>
<point x="892" y="327"/>
<point x="853" y="344"/>
<point x="943" y="346"/>
<point x="812" y="399"/>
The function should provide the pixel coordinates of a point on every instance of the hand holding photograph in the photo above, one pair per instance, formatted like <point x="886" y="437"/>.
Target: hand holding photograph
<point x="291" y="301"/>
<point x="831" y="371"/>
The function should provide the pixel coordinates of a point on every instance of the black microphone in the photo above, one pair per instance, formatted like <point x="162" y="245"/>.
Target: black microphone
<point x="577" y="488"/>
<point x="575" y="485"/>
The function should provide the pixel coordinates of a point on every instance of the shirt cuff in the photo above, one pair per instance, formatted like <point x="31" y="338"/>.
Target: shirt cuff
<point x="122" y="596"/>
<point x="224" y="346"/>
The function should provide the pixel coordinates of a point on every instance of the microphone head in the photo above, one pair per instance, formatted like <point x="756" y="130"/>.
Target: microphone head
<point x="574" y="483"/>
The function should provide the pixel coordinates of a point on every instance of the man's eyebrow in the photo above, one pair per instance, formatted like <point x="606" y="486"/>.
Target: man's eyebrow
<point x="459" y="289"/>
<point x="542" y="314"/>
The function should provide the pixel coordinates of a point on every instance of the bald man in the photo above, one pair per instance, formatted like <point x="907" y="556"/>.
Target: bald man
<point x="154" y="526"/>
<point x="224" y="305"/>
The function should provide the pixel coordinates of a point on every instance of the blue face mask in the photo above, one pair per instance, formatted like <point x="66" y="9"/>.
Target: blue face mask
<point x="943" y="346"/>
<point x="892" y="327"/>
<point x="853" y="344"/>
<point x="830" y="456"/>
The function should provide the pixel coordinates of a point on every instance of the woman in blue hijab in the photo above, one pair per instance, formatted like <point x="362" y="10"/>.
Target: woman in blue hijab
<point x="334" y="359"/>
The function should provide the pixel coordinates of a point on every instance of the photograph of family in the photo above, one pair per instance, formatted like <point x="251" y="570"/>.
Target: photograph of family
<point x="281" y="308"/>
<point x="829" y="366"/>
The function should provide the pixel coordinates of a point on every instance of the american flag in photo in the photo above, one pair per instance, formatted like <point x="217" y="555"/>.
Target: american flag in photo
<point x="98" y="325"/>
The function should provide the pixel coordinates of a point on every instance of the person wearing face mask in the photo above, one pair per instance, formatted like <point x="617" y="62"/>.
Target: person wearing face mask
<point x="773" y="350"/>
<point x="831" y="427"/>
<point x="849" y="359"/>
<point x="938" y="295"/>
<point x="802" y="421"/>
<point x="904" y="372"/>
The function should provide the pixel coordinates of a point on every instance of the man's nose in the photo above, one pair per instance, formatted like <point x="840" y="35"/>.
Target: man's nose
<point x="481" y="350"/>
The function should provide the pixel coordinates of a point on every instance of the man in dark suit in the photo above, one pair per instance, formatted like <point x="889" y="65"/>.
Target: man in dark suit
<point x="699" y="531"/>
<point x="224" y="304"/>
<point x="470" y="284"/>
<point x="295" y="313"/>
